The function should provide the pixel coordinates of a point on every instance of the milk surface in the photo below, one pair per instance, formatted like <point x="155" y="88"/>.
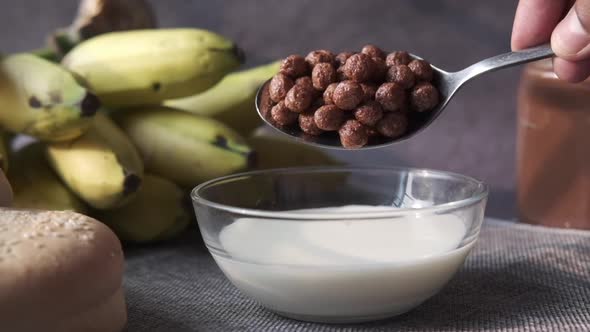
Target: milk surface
<point x="345" y="270"/>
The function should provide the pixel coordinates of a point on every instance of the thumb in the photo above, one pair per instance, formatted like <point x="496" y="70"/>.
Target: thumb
<point x="571" y="38"/>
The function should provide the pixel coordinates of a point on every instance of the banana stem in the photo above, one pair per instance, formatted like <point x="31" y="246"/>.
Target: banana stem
<point x="61" y="43"/>
<point x="46" y="53"/>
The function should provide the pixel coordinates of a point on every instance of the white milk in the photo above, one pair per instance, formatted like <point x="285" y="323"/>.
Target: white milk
<point x="342" y="270"/>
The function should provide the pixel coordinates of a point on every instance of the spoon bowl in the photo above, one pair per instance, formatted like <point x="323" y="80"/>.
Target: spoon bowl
<point x="447" y="83"/>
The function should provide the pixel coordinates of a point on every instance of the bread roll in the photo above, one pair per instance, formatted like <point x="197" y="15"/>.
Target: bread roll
<point x="59" y="271"/>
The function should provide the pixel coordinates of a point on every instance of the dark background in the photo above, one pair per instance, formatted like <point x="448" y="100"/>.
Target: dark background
<point x="476" y="136"/>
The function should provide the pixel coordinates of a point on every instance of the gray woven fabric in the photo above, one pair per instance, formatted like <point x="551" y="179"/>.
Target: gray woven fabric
<point x="518" y="278"/>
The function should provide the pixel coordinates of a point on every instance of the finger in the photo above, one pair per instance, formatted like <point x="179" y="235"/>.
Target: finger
<point x="535" y="20"/>
<point x="570" y="71"/>
<point x="571" y="37"/>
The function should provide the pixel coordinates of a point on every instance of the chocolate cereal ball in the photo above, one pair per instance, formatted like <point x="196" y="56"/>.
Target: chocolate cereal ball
<point x="398" y="58"/>
<point x="373" y="51"/>
<point x="393" y="125"/>
<point x="421" y="70"/>
<point x="323" y="74"/>
<point x="279" y="86"/>
<point x="372" y="132"/>
<point x="342" y="57"/>
<point x="305" y="81"/>
<point x="282" y="115"/>
<point x="328" y="93"/>
<point x="320" y="56"/>
<point x="358" y="68"/>
<point x="299" y="98"/>
<point x="369" y="113"/>
<point x="379" y="70"/>
<point x="347" y="95"/>
<point x="294" y="66"/>
<point x="402" y="75"/>
<point x="266" y="102"/>
<point x="368" y="91"/>
<point x="307" y="124"/>
<point x="329" y="117"/>
<point x="424" y="97"/>
<point x="341" y="75"/>
<point x="391" y="96"/>
<point x="353" y="134"/>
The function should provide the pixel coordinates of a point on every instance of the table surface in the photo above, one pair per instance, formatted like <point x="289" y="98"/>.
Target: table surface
<point x="517" y="278"/>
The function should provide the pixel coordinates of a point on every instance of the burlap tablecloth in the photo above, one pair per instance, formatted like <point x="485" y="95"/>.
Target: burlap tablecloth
<point x="518" y="278"/>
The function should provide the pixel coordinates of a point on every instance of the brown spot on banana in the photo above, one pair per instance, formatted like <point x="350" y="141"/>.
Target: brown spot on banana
<point x="239" y="53"/>
<point x="55" y="97"/>
<point x="34" y="102"/>
<point x="235" y="50"/>
<point x="220" y="141"/>
<point x="89" y="105"/>
<point x="131" y="183"/>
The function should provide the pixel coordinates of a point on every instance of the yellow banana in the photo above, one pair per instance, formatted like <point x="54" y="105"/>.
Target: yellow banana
<point x="273" y="151"/>
<point x="181" y="225"/>
<point x="185" y="148"/>
<point x="155" y="210"/>
<point x="175" y="230"/>
<point x="149" y="66"/>
<point x="41" y="99"/>
<point x="230" y="101"/>
<point x="36" y="186"/>
<point x="102" y="167"/>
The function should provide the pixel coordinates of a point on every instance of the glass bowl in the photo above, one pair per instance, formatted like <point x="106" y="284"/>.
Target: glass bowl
<point x="340" y="244"/>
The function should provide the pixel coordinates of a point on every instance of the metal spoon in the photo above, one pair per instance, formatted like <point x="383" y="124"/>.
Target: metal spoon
<point x="448" y="83"/>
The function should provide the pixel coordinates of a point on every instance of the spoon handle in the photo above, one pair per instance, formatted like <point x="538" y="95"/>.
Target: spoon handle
<point x="507" y="60"/>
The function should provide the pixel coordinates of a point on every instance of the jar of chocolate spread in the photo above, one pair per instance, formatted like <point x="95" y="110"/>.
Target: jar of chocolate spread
<point x="553" y="149"/>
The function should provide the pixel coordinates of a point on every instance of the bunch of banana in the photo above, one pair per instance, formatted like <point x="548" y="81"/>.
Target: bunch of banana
<point x="102" y="166"/>
<point x="174" y="108"/>
<point x="42" y="99"/>
<point x="156" y="213"/>
<point x="185" y="148"/>
<point x="231" y="101"/>
<point x="150" y="81"/>
<point x="150" y="66"/>
<point x="35" y="185"/>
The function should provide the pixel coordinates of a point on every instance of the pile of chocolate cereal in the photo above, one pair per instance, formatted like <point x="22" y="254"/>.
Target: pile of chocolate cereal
<point x="361" y="96"/>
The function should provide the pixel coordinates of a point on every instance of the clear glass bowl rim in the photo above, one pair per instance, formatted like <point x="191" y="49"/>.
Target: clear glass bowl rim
<point x="477" y="197"/>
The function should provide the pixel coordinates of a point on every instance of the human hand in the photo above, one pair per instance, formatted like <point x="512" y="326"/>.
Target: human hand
<point x="566" y="23"/>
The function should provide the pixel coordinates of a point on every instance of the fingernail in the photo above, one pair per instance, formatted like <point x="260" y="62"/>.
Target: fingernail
<point x="570" y="36"/>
